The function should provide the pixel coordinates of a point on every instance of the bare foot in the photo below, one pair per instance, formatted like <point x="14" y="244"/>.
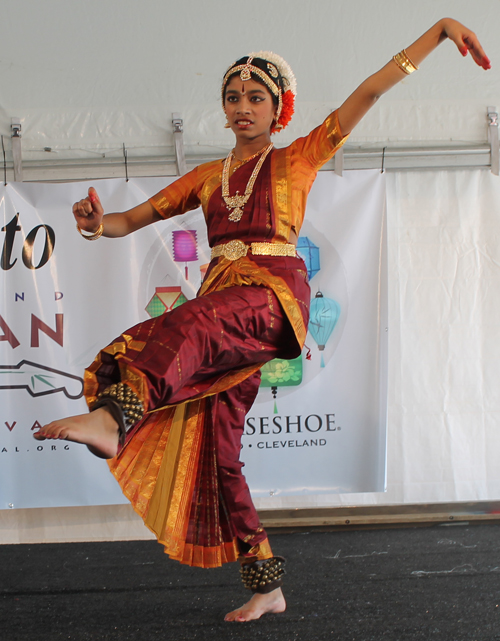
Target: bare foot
<point x="97" y="430"/>
<point x="259" y="604"/>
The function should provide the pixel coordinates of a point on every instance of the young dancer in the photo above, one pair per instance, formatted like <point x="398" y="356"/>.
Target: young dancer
<point x="168" y="397"/>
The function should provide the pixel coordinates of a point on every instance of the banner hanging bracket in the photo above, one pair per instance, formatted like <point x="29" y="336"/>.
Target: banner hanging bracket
<point x="4" y="164"/>
<point x="15" y="125"/>
<point x="382" y="169"/>
<point x="180" y="156"/>
<point x="493" y="140"/>
<point x="125" y="161"/>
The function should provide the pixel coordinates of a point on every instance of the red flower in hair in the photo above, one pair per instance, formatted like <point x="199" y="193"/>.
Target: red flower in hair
<point x="287" y="111"/>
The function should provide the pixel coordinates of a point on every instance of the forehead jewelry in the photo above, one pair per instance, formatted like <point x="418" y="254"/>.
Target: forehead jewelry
<point x="246" y="72"/>
<point x="238" y="202"/>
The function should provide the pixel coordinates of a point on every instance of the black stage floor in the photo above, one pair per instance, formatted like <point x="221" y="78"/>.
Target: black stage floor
<point x="438" y="583"/>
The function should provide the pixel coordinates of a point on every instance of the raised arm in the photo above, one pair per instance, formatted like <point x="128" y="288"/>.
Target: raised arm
<point x="368" y="92"/>
<point x="89" y="214"/>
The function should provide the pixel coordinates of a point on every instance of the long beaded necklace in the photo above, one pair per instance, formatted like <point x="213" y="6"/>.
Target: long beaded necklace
<point x="238" y="202"/>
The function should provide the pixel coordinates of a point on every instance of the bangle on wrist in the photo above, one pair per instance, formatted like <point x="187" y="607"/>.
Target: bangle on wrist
<point x="97" y="234"/>
<point x="404" y="63"/>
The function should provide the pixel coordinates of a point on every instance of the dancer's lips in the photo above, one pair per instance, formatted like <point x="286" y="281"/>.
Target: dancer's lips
<point x="244" y="123"/>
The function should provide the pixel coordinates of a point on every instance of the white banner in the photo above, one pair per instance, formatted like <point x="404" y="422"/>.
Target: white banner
<point x="63" y="298"/>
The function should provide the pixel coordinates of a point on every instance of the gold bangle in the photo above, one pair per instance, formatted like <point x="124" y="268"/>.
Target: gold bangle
<point x="97" y="234"/>
<point x="404" y="63"/>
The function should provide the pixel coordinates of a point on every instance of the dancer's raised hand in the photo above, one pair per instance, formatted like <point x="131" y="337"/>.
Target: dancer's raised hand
<point x="466" y="40"/>
<point x="369" y="91"/>
<point x="88" y="212"/>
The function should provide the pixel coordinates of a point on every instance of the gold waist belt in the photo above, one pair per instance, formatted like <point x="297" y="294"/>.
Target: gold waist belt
<point x="235" y="249"/>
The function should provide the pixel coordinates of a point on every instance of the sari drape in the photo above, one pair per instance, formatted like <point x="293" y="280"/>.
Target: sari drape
<point x="180" y="465"/>
<point x="196" y="369"/>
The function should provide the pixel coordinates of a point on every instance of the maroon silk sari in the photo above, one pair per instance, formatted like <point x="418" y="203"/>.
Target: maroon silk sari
<point x="197" y="371"/>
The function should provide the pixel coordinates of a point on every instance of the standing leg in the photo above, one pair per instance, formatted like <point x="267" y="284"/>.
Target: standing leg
<point x="232" y="407"/>
<point x="255" y="550"/>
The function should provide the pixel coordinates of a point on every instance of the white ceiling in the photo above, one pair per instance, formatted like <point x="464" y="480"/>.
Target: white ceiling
<point x="91" y="76"/>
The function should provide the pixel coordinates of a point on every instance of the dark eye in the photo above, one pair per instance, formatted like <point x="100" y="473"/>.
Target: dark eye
<point x="231" y="98"/>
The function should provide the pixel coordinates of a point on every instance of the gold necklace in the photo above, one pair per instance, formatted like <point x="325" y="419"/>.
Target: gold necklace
<point x="242" y="161"/>
<point x="238" y="202"/>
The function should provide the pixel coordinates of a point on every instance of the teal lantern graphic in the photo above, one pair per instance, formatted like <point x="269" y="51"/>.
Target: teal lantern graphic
<point x="309" y="253"/>
<point x="281" y="373"/>
<point x="324" y="315"/>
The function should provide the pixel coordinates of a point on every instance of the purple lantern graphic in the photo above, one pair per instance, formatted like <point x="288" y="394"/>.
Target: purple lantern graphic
<point x="185" y="247"/>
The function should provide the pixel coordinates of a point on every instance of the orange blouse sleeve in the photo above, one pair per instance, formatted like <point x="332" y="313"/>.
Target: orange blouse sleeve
<point x="179" y="197"/>
<point x="320" y="145"/>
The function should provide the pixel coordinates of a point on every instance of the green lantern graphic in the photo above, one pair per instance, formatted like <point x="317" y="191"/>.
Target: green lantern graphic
<point x="281" y="373"/>
<point x="165" y="299"/>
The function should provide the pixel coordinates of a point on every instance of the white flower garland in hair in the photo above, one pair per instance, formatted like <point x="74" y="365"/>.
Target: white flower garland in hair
<point x="283" y="67"/>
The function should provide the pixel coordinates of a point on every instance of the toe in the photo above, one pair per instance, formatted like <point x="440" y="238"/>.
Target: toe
<point x="235" y="615"/>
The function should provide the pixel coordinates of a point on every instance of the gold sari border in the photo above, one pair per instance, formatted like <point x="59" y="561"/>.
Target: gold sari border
<point x="333" y="132"/>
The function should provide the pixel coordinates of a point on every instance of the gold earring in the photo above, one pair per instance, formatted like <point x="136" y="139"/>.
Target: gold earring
<point x="276" y="126"/>
<point x="227" y="125"/>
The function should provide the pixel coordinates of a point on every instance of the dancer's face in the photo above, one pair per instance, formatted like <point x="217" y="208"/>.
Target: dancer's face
<point x="249" y="108"/>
